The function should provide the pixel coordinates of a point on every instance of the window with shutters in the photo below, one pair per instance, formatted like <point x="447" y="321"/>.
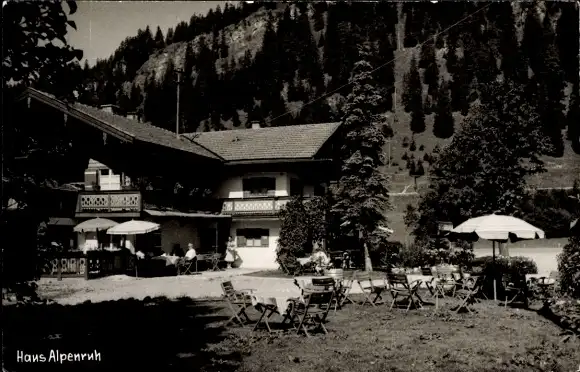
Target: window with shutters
<point x="253" y="237"/>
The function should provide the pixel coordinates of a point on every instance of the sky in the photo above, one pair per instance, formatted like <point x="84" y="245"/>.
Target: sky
<point x="103" y="25"/>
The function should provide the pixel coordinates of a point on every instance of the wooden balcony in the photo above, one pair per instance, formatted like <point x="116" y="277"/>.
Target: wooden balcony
<point x="109" y="204"/>
<point x="263" y="207"/>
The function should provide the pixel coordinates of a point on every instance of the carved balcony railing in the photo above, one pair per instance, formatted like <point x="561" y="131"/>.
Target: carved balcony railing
<point x="254" y="206"/>
<point x="112" y="203"/>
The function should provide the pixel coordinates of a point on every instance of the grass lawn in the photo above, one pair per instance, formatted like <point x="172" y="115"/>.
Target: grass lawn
<point x="186" y="334"/>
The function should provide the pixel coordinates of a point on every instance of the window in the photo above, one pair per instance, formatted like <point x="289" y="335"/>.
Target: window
<point x="253" y="237"/>
<point x="259" y="186"/>
<point x="296" y="187"/>
<point x="104" y="172"/>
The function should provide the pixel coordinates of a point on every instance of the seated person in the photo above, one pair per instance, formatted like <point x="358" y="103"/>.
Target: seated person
<point x="191" y="253"/>
<point x="321" y="260"/>
<point x="190" y="257"/>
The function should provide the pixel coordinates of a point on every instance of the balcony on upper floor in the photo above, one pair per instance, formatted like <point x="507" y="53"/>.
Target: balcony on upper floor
<point x="121" y="203"/>
<point x="254" y="207"/>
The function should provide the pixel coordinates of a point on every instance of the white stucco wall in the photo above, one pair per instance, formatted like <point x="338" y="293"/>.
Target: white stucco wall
<point x="258" y="257"/>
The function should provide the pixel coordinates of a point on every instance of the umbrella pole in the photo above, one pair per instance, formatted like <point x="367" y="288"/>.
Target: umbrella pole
<point x="494" y="272"/>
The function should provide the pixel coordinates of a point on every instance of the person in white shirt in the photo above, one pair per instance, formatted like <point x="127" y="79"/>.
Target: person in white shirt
<point x="321" y="260"/>
<point x="190" y="254"/>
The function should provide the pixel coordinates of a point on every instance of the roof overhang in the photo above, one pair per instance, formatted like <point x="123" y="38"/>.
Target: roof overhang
<point x="276" y="161"/>
<point x="77" y="114"/>
<point x="177" y="214"/>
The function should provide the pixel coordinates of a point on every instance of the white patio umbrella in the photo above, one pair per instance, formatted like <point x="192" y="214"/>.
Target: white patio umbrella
<point x="133" y="227"/>
<point x="497" y="227"/>
<point x="95" y="224"/>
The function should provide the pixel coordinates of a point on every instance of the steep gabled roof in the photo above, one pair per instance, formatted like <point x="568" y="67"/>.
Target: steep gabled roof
<point x="296" y="142"/>
<point x="124" y="127"/>
<point x="289" y="142"/>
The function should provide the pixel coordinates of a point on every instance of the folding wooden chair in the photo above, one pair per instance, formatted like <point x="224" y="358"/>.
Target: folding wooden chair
<point x="467" y="295"/>
<point x="327" y="284"/>
<point x="445" y="281"/>
<point x="430" y="282"/>
<point x="343" y="288"/>
<point x="516" y="288"/>
<point x="187" y="267"/>
<point x="399" y="286"/>
<point x="238" y="302"/>
<point x="369" y="289"/>
<point x="313" y="314"/>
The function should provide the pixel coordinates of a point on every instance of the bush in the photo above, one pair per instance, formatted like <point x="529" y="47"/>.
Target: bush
<point x="510" y="265"/>
<point x="569" y="267"/>
<point x="387" y="254"/>
<point x="504" y="266"/>
<point x="302" y="224"/>
<point x="414" y="255"/>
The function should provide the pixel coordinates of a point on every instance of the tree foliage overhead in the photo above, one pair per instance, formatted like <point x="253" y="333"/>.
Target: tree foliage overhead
<point x="36" y="53"/>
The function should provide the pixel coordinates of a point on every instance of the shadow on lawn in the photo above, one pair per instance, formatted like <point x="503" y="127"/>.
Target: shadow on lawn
<point x="131" y="335"/>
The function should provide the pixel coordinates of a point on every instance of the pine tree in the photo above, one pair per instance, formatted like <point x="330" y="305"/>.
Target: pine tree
<point x="410" y="40"/>
<point x="159" y="39"/>
<point x="319" y="9"/>
<point x="429" y="63"/>
<point x="332" y="48"/>
<point x="443" y="126"/>
<point x="362" y="193"/>
<point x="567" y="35"/>
<point x="268" y="63"/>
<point x="309" y="67"/>
<point x="224" y="49"/>
<point x="287" y="46"/>
<point x="451" y="59"/>
<point x="428" y="105"/>
<point x="169" y="97"/>
<point x="573" y="118"/>
<point x="418" y="119"/>
<point x="169" y="36"/>
<point x="413" y="93"/>
<point x="460" y="90"/>
<point x="386" y="75"/>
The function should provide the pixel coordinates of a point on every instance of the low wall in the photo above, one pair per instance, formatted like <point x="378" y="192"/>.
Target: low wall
<point x="93" y="264"/>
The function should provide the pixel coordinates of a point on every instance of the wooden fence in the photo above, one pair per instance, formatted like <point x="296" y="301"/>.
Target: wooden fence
<point x="93" y="264"/>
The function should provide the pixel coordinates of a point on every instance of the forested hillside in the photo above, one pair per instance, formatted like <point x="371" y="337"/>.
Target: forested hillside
<point x="273" y="61"/>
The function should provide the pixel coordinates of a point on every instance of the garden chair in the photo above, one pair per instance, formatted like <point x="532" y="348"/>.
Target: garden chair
<point x="430" y="282"/>
<point x="467" y="295"/>
<point x="238" y="302"/>
<point x="399" y="286"/>
<point x="343" y="288"/>
<point x="187" y="267"/>
<point x="516" y="288"/>
<point x="293" y="269"/>
<point x="445" y="281"/>
<point x="313" y="314"/>
<point x="368" y="288"/>
<point x="327" y="284"/>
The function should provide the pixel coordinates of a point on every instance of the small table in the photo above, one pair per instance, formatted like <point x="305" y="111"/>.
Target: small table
<point x="270" y="305"/>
